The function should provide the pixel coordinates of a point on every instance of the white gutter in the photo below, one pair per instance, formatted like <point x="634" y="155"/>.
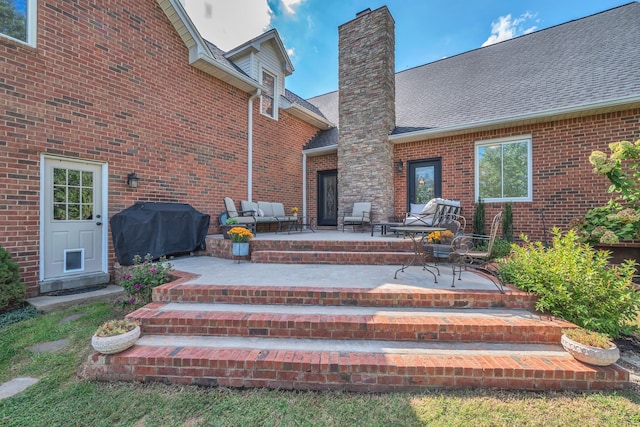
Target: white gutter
<point x="430" y="133"/>
<point x="304" y="185"/>
<point x="250" y="146"/>
<point x="312" y="152"/>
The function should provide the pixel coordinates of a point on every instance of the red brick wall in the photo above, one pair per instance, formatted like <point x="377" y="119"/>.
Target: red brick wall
<point x="110" y="82"/>
<point x="563" y="182"/>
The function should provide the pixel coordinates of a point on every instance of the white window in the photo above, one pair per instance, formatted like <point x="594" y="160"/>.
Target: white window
<point x="18" y="20"/>
<point x="503" y="169"/>
<point x="268" y="105"/>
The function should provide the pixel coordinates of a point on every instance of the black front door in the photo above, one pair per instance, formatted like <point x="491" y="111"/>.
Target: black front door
<point x="328" y="197"/>
<point x="424" y="181"/>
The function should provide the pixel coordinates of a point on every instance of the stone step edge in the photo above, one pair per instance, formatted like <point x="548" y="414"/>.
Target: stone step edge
<point x="399" y="296"/>
<point x="352" y="371"/>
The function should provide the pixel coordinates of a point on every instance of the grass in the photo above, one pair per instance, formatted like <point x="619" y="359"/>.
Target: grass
<point x="61" y="399"/>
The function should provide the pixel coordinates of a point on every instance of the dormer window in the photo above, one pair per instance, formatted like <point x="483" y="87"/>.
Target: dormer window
<point x="268" y="101"/>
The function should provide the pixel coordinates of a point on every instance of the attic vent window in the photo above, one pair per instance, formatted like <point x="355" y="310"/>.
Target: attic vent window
<point x="268" y="107"/>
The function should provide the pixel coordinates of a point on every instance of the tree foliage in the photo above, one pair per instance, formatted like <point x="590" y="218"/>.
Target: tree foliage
<point x="12" y="22"/>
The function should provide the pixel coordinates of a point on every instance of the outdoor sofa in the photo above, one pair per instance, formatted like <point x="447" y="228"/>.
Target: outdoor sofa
<point x="268" y="213"/>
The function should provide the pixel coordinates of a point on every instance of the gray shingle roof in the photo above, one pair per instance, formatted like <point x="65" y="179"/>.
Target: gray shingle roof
<point x="585" y="61"/>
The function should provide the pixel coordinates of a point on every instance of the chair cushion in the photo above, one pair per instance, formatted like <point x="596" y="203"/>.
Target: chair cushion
<point x="360" y="208"/>
<point x="356" y="219"/>
<point x="430" y="207"/>
<point x="266" y="207"/>
<point x="230" y="206"/>
<point x="278" y="210"/>
<point x="249" y="207"/>
<point x="416" y="208"/>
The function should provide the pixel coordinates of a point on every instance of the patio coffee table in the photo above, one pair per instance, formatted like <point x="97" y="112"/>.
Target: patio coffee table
<point x="303" y="222"/>
<point x="384" y="227"/>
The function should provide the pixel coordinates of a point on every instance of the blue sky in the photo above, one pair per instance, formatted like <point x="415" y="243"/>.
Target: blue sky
<point x="426" y="30"/>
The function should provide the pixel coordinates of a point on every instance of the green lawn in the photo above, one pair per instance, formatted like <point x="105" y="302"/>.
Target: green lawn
<point x="61" y="399"/>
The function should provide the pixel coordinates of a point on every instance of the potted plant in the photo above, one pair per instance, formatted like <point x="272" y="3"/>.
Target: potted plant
<point x="440" y="241"/>
<point x="294" y="211"/>
<point x="115" y="336"/>
<point x="228" y="224"/>
<point x="590" y="347"/>
<point x="240" y="237"/>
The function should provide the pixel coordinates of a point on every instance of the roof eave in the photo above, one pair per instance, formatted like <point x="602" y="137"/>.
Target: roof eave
<point x="306" y="115"/>
<point x="199" y="54"/>
<point x="556" y="114"/>
<point x="320" y="151"/>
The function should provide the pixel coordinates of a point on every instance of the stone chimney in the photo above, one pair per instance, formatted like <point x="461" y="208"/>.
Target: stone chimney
<point x="366" y="83"/>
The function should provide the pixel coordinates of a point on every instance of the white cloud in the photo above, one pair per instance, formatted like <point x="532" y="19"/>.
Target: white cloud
<point x="228" y="24"/>
<point x="291" y="51"/>
<point x="289" y="5"/>
<point x="506" y="28"/>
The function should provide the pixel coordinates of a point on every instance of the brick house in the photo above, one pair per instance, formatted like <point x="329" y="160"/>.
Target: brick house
<point x="94" y="92"/>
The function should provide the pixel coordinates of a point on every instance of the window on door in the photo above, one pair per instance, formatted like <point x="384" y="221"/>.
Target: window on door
<point x="424" y="181"/>
<point x="72" y="194"/>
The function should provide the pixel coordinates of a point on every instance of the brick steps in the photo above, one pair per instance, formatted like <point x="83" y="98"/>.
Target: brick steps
<point x="390" y="337"/>
<point x="349" y="323"/>
<point x="391" y="296"/>
<point x="331" y="257"/>
<point x="353" y="365"/>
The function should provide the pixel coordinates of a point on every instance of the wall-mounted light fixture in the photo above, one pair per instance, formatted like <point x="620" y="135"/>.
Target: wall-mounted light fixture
<point x="133" y="180"/>
<point x="399" y="166"/>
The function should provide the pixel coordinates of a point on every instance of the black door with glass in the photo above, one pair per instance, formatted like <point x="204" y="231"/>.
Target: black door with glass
<point x="424" y="181"/>
<point x="328" y="197"/>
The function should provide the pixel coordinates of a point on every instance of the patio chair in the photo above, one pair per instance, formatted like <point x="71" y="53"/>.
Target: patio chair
<point x="360" y="214"/>
<point x="431" y="214"/>
<point x="247" y="219"/>
<point x="474" y="251"/>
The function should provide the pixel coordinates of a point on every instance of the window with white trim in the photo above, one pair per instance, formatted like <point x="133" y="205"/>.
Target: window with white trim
<point x="268" y="105"/>
<point x="503" y="169"/>
<point x="18" y="20"/>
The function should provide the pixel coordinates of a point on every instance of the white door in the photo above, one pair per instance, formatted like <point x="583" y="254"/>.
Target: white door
<point x="72" y="219"/>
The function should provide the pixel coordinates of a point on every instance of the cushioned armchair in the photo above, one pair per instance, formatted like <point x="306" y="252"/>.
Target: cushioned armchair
<point x="360" y="214"/>
<point x="248" y="219"/>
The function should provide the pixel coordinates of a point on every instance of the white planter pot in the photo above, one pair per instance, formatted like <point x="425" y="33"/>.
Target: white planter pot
<point x="591" y="355"/>
<point x="116" y="343"/>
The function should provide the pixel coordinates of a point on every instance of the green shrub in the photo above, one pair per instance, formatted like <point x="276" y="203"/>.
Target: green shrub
<point x="575" y="282"/>
<point x="18" y="315"/>
<point x="12" y="291"/>
<point x="145" y="275"/>
<point x="507" y="222"/>
<point x="478" y="218"/>
<point x="501" y="248"/>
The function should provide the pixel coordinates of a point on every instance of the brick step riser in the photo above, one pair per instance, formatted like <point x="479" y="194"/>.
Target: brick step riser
<point x="246" y="368"/>
<point x="327" y="257"/>
<point x="276" y="295"/>
<point x="236" y="326"/>
<point x="396" y="245"/>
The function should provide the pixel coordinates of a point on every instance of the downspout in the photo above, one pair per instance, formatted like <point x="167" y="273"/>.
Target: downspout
<point x="304" y="185"/>
<point x="250" y="146"/>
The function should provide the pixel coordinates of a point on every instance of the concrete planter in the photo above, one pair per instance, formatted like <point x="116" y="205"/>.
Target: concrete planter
<point x="116" y="343"/>
<point x="591" y="355"/>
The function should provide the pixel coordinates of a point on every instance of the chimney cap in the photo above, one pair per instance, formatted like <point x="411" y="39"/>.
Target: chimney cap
<point x="362" y="12"/>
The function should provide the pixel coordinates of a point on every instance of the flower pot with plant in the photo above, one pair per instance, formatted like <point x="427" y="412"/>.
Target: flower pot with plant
<point x="440" y="243"/>
<point x="240" y="237"/>
<point x="590" y="347"/>
<point x="294" y="211"/>
<point x="229" y="223"/>
<point x="115" y="336"/>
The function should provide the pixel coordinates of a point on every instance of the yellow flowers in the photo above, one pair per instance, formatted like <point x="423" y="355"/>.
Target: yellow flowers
<point x="294" y="210"/>
<point x="436" y="237"/>
<point x="240" y="235"/>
